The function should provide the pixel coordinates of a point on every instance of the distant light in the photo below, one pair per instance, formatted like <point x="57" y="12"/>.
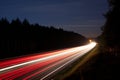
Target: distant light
<point x="90" y="40"/>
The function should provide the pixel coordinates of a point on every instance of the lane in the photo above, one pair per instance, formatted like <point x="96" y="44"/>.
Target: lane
<point x="41" y="66"/>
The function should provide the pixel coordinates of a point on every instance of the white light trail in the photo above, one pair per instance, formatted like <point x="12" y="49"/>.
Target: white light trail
<point x="92" y="44"/>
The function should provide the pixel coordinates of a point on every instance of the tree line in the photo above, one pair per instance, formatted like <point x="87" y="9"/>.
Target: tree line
<point x="20" y="38"/>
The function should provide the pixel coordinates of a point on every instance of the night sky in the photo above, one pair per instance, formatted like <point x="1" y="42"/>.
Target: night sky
<point x="82" y="16"/>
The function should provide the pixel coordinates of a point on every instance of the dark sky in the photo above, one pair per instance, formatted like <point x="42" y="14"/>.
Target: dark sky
<point x="82" y="16"/>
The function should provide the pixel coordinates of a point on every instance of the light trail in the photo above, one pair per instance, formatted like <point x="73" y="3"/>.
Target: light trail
<point x="58" y="58"/>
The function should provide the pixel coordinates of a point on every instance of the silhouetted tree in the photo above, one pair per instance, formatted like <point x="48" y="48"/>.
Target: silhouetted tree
<point x="26" y="22"/>
<point x="111" y="29"/>
<point x="16" y="22"/>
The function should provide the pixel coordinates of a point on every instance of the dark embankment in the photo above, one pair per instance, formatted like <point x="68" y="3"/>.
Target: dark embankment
<point x="21" y="38"/>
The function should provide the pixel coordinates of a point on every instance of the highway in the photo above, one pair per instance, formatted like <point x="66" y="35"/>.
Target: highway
<point x="41" y="66"/>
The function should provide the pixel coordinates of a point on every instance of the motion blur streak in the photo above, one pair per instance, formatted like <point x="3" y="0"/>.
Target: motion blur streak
<point x="41" y="66"/>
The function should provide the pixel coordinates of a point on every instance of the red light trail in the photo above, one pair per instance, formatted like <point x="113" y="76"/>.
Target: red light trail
<point x="41" y="66"/>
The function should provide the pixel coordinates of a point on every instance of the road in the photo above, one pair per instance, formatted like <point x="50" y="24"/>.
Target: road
<point x="41" y="66"/>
